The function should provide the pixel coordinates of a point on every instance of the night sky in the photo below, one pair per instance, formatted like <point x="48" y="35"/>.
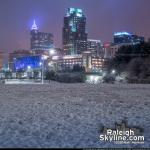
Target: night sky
<point x="103" y="18"/>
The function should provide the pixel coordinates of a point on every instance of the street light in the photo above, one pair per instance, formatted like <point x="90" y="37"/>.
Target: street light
<point x="28" y="71"/>
<point x="52" y="52"/>
<point x="40" y="63"/>
<point x="44" y="57"/>
<point x="29" y="67"/>
<point x="113" y="71"/>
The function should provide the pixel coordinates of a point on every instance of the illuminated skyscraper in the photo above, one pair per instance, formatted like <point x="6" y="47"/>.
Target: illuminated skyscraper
<point x="74" y="32"/>
<point x="40" y="40"/>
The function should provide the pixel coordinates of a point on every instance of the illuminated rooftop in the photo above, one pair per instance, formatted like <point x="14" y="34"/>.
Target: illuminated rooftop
<point x="77" y="11"/>
<point x="121" y="33"/>
<point x="34" y="26"/>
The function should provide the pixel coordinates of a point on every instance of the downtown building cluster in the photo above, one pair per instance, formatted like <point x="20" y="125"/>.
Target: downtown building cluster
<point x="77" y="49"/>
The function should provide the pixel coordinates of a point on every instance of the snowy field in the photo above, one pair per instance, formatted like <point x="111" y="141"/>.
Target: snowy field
<point x="70" y="115"/>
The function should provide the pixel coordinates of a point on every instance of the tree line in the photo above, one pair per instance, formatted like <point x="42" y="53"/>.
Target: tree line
<point x="134" y="60"/>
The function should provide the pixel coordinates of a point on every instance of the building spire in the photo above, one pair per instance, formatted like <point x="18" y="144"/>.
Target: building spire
<point x="34" y="26"/>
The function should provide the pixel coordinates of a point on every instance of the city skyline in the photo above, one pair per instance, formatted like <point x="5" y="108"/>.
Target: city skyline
<point x="103" y="19"/>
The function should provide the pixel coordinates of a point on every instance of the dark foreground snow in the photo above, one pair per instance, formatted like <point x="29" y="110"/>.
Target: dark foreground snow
<point x="70" y="115"/>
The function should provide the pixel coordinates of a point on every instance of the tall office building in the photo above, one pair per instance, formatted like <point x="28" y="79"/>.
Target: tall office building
<point x="125" y="37"/>
<point x="74" y="32"/>
<point x="95" y="47"/>
<point x="40" y="41"/>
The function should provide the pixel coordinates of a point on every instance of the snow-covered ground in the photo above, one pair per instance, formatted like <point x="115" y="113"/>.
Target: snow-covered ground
<point x="70" y="115"/>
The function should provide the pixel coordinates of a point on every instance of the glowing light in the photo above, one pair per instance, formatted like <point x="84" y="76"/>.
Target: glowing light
<point x="52" y="52"/>
<point x="79" y="15"/>
<point x="55" y="57"/>
<point x="87" y="52"/>
<point x="93" y="79"/>
<point x="72" y="56"/>
<point x="29" y="67"/>
<point x="40" y="64"/>
<point x="44" y="57"/>
<point x="50" y="64"/>
<point x="73" y="29"/>
<point x="113" y="71"/>
<point x="26" y="62"/>
<point x="77" y="12"/>
<point x="92" y="40"/>
<point x="121" y="33"/>
<point x="71" y="10"/>
<point x="34" y="26"/>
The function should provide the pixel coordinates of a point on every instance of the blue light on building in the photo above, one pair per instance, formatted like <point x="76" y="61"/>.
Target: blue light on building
<point x="77" y="12"/>
<point x="72" y="10"/>
<point x="121" y="33"/>
<point x="34" y="26"/>
<point x="24" y="63"/>
<point x="126" y="37"/>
